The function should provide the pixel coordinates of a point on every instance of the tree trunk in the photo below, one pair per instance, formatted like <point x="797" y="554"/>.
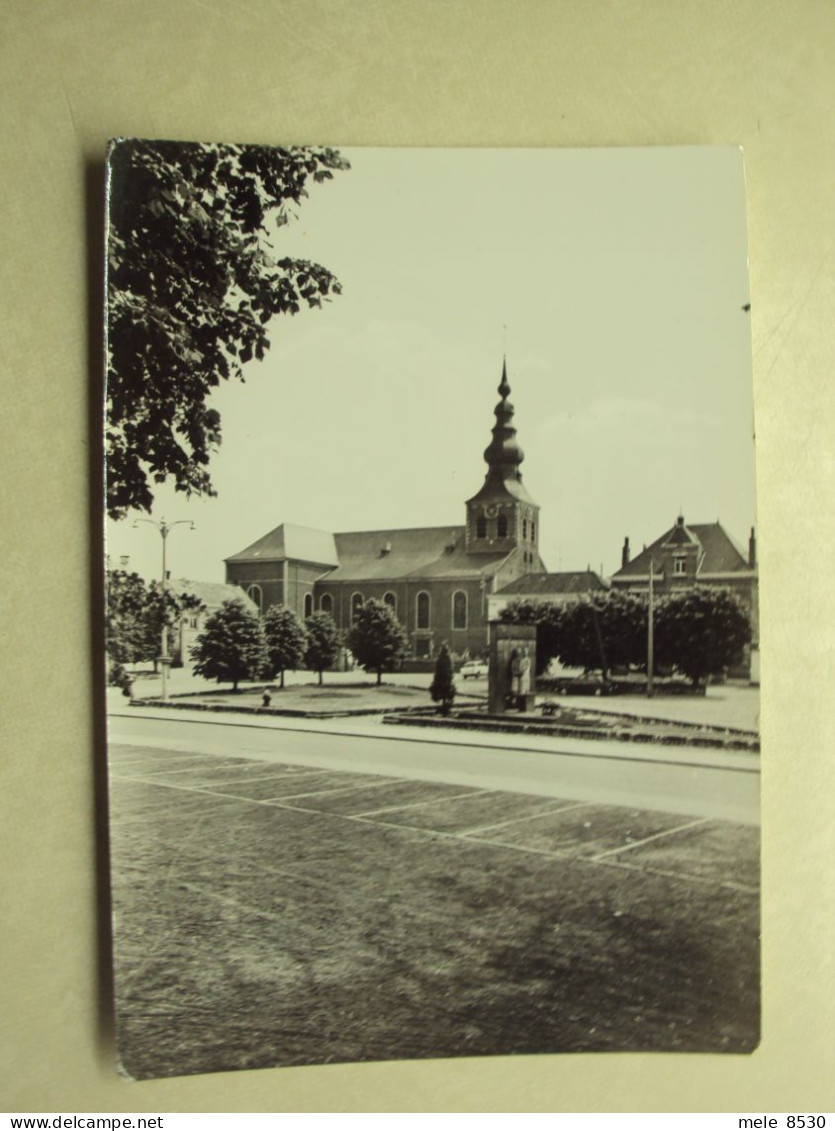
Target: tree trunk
<point x="320" y="677"/>
<point x="282" y="679"/>
<point x="379" y="676"/>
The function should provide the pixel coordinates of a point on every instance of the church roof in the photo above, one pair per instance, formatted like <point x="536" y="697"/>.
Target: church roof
<point x="541" y="584"/>
<point x="297" y="543"/>
<point x="430" y="553"/>
<point x="717" y="551"/>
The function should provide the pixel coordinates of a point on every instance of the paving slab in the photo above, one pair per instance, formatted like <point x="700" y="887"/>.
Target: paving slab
<point x="716" y="851"/>
<point x="585" y="831"/>
<point x="475" y="813"/>
<point x="381" y="800"/>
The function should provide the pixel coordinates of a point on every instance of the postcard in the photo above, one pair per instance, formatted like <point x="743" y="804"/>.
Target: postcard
<point x="432" y="633"/>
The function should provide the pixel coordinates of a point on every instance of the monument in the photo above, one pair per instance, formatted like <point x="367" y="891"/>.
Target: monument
<point x="512" y="667"/>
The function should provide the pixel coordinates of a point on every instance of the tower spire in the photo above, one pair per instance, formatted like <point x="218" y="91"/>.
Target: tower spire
<point x="503" y="455"/>
<point x="502" y="517"/>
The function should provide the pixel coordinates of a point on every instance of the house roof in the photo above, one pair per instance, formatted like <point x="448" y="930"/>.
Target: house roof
<point x="298" y="543"/>
<point x="432" y="552"/>
<point x="718" y="553"/>
<point x="543" y="584"/>
<point x="211" y="593"/>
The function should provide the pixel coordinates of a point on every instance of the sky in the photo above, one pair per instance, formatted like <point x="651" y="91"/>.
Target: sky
<point x="613" y="280"/>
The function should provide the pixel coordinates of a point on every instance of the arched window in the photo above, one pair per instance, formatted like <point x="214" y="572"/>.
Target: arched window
<point x="501" y="526"/>
<point x="326" y="604"/>
<point x="356" y="605"/>
<point x="391" y="600"/>
<point x="524" y="528"/>
<point x="481" y="527"/>
<point x="308" y="604"/>
<point x="256" y="596"/>
<point x="422" y="609"/>
<point x="459" y="609"/>
<point x="533" y="531"/>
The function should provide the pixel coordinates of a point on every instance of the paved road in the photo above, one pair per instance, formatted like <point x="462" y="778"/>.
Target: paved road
<point x="666" y="779"/>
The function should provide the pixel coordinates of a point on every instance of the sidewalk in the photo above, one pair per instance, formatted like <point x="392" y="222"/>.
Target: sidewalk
<point x="722" y="705"/>
<point x="373" y="728"/>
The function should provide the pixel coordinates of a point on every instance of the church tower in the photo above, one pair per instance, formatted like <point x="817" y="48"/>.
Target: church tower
<point x="503" y="517"/>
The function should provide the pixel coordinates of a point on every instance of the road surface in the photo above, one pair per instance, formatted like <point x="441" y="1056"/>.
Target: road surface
<point x="716" y="785"/>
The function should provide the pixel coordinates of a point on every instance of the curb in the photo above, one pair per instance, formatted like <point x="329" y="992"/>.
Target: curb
<point x="752" y="745"/>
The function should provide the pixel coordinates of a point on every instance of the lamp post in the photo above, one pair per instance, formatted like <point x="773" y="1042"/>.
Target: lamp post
<point x="165" y="529"/>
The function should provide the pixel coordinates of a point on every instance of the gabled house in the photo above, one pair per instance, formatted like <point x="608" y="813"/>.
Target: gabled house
<point x="687" y="555"/>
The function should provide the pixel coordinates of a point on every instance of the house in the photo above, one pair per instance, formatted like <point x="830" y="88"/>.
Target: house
<point x="211" y="594"/>
<point x="541" y="588"/>
<point x="704" y="554"/>
<point x="437" y="579"/>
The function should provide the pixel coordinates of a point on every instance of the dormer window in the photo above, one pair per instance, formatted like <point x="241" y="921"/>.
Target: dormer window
<point x="481" y="527"/>
<point x="501" y="526"/>
<point x="679" y="566"/>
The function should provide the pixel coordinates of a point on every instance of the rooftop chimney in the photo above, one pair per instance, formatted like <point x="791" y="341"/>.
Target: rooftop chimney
<point x="752" y="550"/>
<point x="624" y="556"/>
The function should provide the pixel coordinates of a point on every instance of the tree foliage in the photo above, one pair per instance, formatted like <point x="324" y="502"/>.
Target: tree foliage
<point x="285" y="638"/>
<point x="547" y="616"/>
<point x="323" y="642"/>
<point x="377" y="638"/>
<point x="135" y="614"/>
<point x="604" y="631"/>
<point x="193" y="280"/>
<point x="231" y="646"/>
<point x="166" y="608"/>
<point x="442" y="689"/>
<point x="701" y="632"/>
<point x="126" y="630"/>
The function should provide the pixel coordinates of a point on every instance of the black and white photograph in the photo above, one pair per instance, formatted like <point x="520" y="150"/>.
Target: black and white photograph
<point x="432" y="635"/>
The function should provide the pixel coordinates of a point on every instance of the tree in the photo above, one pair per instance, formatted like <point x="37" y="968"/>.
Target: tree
<point x="548" y="617"/>
<point x="193" y="281"/>
<point x="599" y="632"/>
<point x="442" y="689"/>
<point x="285" y="638"/>
<point x="377" y="638"/>
<point x="231" y="645"/>
<point x="701" y="632"/>
<point x="323" y="642"/>
<point x="166" y="608"/>
<point x="126" y="627"/>
<point x="134" y="617"/>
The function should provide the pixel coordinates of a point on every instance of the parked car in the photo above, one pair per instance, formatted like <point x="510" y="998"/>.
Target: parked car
<point x="474" y="669"/>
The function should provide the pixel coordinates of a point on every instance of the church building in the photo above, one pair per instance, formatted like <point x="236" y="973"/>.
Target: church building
<point x="436" y="579"/>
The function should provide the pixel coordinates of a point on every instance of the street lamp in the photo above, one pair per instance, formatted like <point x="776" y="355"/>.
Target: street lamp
<point x="165" y="529"/>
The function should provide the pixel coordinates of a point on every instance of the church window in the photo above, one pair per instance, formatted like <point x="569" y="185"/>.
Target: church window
<point x="481" y="527"/>
<point x="308" y="604"/>
<point x="533" y="530"/>
<point x="459" y="609"/>
<point x="390" y="600"/>
<point x="422" y="610"/>
<point x="356" y="605"/>
<point x="524" y="528"/>
<point x="326" y="604"/>
<point x="255" y="595"/>
<point x="501" y="526"/>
